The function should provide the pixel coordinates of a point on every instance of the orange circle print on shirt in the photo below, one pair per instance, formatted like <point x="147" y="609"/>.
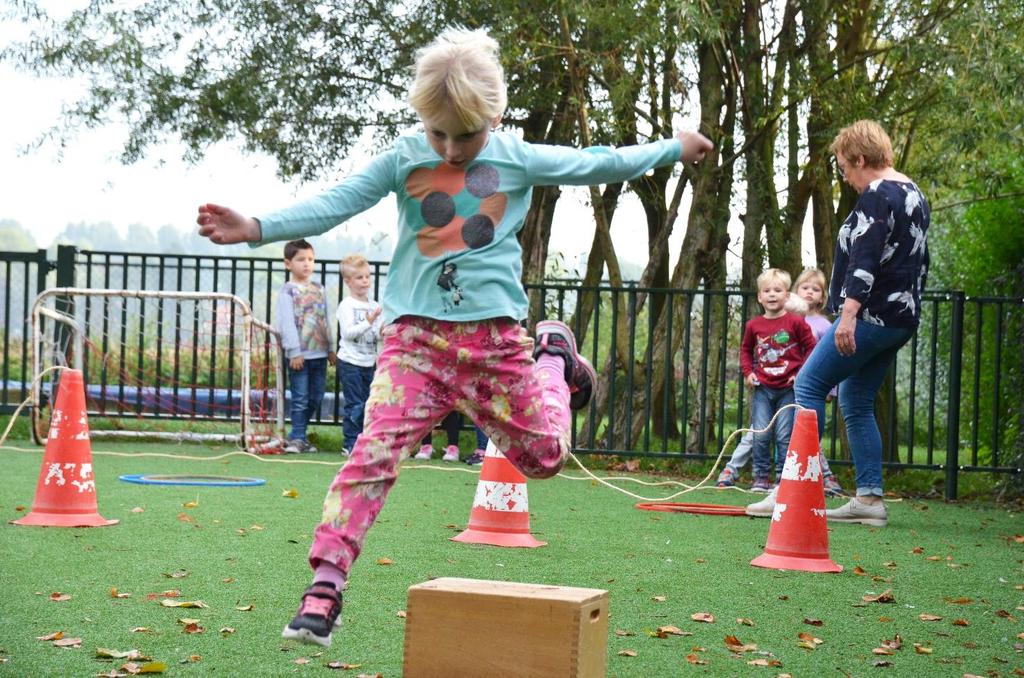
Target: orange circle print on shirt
<point x="440" y="191"/>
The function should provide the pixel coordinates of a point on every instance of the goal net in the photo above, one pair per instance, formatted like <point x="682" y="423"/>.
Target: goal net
<point x="181" y="365"/>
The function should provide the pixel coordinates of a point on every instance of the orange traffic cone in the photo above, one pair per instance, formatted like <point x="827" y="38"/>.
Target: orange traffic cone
<point x="500" y="514"/>
<point x="66" y="491"/>
<point x="798" y="535"/>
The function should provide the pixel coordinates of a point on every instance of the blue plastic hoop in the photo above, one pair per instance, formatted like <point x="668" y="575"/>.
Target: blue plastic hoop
<point x="190" y="479"/>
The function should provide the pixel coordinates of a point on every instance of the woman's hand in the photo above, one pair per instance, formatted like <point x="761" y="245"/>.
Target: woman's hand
<point x="225" y="226"/>
<point x="846" y="343"/>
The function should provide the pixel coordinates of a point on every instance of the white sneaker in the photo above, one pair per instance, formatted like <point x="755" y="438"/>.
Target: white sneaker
<point x="764" y="508"/>
<point x="856" y="511"/>
<point x="451" y="453"/>
<point x="426" y="451"/>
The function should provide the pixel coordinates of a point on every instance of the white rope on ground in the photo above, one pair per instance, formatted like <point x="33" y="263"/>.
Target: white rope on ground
<point x="688" y="488"/>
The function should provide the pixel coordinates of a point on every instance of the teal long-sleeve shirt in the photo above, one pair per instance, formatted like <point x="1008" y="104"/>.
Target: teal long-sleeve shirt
<point x="457" y="256"/>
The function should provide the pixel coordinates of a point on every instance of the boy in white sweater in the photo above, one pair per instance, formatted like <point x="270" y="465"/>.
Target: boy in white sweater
<point x="360" y="323"/>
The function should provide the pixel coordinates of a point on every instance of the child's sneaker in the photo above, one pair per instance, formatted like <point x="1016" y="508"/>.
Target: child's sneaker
<point x="299" y="446"/>
<point x="555" y="338"/>
<point x="426" y="451"/>
<point x="476" y="458"/>
<point x="832" y="487"/>
<point x="318" y="615"/>
<point x="726" y="478"/>
<point x="451" y="453"/>
<point x="761" y="484"/>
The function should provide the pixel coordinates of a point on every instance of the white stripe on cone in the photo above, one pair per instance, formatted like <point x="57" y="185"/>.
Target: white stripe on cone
<point x="507" y="497"/>
<point x="492" y="450"/>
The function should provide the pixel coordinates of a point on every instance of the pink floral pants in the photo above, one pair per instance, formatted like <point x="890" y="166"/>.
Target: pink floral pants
<point x="426" y="369"/>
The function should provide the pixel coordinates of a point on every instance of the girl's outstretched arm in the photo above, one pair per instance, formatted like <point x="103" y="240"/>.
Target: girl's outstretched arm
<point x="695" y="146"/>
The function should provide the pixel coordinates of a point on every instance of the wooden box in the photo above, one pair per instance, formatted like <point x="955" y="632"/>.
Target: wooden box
<point x="471" y="627"/>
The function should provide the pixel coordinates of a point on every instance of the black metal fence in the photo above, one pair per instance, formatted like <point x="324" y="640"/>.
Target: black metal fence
<point x="949" y="405"/>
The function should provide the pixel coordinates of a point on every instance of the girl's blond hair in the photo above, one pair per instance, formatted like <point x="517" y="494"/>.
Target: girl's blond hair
<point x="459" y="72"/>
<point x="352" y="262"/>
<point x="819" y="278"/>
<point x="864" y="138"/>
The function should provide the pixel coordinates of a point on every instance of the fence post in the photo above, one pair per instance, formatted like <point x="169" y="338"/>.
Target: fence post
<point x="956" y="345"/>
<point x="66" y="255"/>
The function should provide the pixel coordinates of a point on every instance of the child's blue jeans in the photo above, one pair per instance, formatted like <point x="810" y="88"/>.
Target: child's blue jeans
<point x="764" y="403"/>
<point x="355" y="386"/>
<point x="306" y="388"/>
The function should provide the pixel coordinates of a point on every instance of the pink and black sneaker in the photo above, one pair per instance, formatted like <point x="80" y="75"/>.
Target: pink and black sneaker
<point x="318" y="616"/>
<point x="555" y="338"/>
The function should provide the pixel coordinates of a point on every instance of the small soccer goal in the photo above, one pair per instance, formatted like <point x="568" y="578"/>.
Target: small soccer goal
<point x="179" y="365"/>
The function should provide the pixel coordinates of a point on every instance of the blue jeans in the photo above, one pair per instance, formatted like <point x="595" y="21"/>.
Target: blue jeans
<point x="481" y="438"/>
<point x="859" y="377"/>
<point x="306" y="388"/>
<point x="355" y="385"/>
<point x="764" y="403"/>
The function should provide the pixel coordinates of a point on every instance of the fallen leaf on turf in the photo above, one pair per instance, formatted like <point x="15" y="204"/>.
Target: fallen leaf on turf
<point x="241" y="531"/>
<point x="173" y="593"/>
<point x="59" y="597"/>
<point x="917" y="549"/>
<point x="228" y="580"/>
<point x="370" y="675"/>
<point x="153" y="667"/>
<point x="813" y="622"/>
<point x="961" y="622"/>
<point x="705" y="617"/>
<point x="924" y="616"/>
<point x="56" y="635"/>
<point x="385" y="561"/>
<point x="957" y="601"/>
<point x="226" y="631"/>
<point x="401" y="614"/>
<point x="881" y="663"/>
<point x="666" y="631"/>
<point x="190" y="504"/>
<point x="764" y="662"/>
<point x="68" y="642"/>
<point x="808" y="638"/>
<point x="302" y="660"/>
<point x="885" y="619"/>
<point x="177" y="574"/>
<point x="921" y="649"/>
<point x="659" y="599"/>
<point x="183" y="603"/>
<point x="889" y="564"/>
<point x="184" y="517"/>
<point x="621" y="634"/>
<point x="694" y="659"/>
<point x="738" y="646"/>
<point x="192" y="628"/>
<point x="783" y="597"/>
<point x="883" y="650"/>
<point x="627" y="653"/>
<point x="113" y="673"/>
<point x="1005" y="615"/>
<point x="290" y="494"/>
<point x="342" y="665"/>
<point x="744" y="621"/>
<point x="193" y="658"/>
<point x="188" y="620"/>
<point x="245" y="608"/>
<point x="141" y="629"/>
<point x="114" y="593"/>
<point x="883" y="597"/>
<point x="106" y="653"/>
<point x="1020" y="635"/>
<point x="138" y="509"/>
<point x="859" y="571"/>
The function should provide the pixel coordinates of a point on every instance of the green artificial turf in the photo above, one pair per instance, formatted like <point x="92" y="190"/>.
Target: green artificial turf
<point x="240" y="547"/>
